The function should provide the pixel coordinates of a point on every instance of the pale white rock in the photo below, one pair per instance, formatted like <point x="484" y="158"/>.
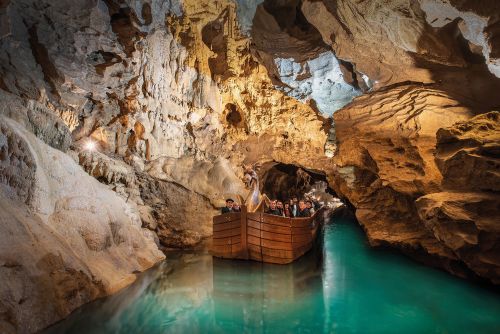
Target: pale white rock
<point x="81" y="232"/>
<point x="216" y="180"/>
<point x="441" y="12"/>
<point x="319" y="79"/>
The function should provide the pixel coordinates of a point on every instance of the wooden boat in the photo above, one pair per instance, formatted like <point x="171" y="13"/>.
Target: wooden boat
<point x="262" y="237"/>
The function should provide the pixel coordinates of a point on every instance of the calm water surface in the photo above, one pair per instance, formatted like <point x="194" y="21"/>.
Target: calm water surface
<point x="343" y="287"/>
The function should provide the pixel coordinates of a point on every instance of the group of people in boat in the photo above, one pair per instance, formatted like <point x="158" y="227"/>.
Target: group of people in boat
<point x="289" y="208"/>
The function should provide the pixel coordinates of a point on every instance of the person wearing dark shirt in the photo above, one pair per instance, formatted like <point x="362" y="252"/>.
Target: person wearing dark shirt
<point x="294" y="209"/>
<point x="229" y="206"/>
<point x="280" y="207"/>
<point x="303" y="212"/>
<point x="316" y="204"/>
<point x="287" y="211"/>
<point x="309" y="207"/>
<point x="273" y="210"/>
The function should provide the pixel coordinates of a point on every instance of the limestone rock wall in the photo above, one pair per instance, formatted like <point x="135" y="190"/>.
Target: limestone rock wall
<point x="397" y="41"/>
<point x="408" y="149"/>
<point x="66" y="239"/>
<point x="464" y="216"/>
<point x="408" y="184"/>
<point x="155" y="84"/>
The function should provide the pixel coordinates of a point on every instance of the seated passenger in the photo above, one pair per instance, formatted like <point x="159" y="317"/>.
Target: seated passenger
<point x="310" y="207"/>
<point x="273" y="210"/>
<point x="229" y="206"/>
<point x="279" y="206"/>
<point x="303" y="212"/>
<point x="236" y="207"/>
<point x="287" y="211"/>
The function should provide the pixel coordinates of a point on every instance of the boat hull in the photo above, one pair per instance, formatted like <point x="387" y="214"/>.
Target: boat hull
<point x="263" y="237"/>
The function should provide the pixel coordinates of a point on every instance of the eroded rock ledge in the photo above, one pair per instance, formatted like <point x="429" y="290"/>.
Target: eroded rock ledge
<point x="411" y="188"/>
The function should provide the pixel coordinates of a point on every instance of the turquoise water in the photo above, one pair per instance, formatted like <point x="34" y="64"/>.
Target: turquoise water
<point x="343" y="287"/>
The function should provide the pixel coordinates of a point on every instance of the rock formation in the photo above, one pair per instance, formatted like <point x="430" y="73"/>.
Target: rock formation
<point x="464" y="216"/>
<point x="397" y="162"/>
<point x="385" y="161"/>
<point x="177" y="95"/>
<point x="66" y="239"/>
<point x="397" y="41"/>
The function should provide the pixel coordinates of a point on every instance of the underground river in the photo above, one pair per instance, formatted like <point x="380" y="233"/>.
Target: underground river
<point x="343" y="287"/>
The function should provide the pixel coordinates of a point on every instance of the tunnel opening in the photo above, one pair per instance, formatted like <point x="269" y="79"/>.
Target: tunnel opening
<point x="284" y="181"/>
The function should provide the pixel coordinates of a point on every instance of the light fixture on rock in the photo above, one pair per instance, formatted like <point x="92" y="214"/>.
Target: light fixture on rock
<point x="90" y="145"/>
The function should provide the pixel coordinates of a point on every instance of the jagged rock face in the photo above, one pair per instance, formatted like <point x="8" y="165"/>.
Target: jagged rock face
<point x="465" y="216"/>
<point x="280" y="29"/>
<point x="393" y="144"/>
<point x="397" y="173"/>
<point x="467" y="154"/>
<point x="422" y="41"/>
<point x="478" y="21"/>
<point x="298" y="60"/>
<point x="467" y="224"/>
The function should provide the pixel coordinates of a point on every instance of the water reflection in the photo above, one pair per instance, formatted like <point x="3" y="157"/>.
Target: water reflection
<point x="340" y="287"/>
<point x="192" y="293"/>
<point x="259" y="298"/>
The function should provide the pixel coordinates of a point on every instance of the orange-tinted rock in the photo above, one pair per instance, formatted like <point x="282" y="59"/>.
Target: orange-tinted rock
<point x="466" y="218"/>
<point x="468" y="224"/>
<point x="468" y="154"/>
<point x="454" y="43"/>
<point x="177" y="98"/>
<point x="387" y="160"/>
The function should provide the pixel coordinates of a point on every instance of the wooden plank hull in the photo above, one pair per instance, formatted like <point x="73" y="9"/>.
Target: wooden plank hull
<point x="262" y="237"/>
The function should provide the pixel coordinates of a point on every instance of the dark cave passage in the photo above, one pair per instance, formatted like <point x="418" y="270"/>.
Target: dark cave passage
<point x="283" y="181"/>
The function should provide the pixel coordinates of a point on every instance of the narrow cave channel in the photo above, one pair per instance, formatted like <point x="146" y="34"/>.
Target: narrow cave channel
<point x="341" y="285"/>
<point x="249" y="166"/>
